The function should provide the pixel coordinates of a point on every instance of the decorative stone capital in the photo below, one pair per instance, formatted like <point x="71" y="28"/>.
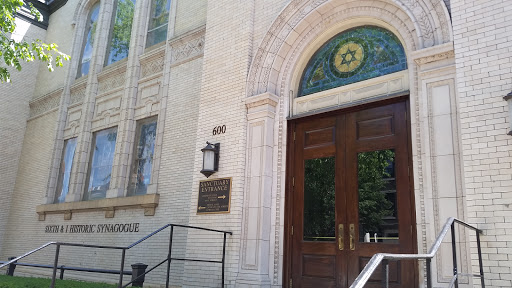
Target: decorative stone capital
<point x="433" y="54"/>
<point x="262" y="99"/>
<point x="261" y="106"/>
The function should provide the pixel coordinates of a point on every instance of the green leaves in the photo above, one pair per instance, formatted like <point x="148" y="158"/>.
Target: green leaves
<point x="12" y="53"/>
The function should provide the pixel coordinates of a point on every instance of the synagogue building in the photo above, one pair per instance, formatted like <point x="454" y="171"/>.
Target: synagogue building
<point x="301" y="137"/>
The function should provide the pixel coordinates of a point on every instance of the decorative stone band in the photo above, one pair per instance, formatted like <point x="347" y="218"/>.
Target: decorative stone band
<point x="433" y="54"/>
<point x="45" y="103"/>
<point x="188" y="46"/>
<point x="77" y="93"/>
<point x="147" y="202"/>
<point x="112" y="77"/>
<point x="152" y="62"/>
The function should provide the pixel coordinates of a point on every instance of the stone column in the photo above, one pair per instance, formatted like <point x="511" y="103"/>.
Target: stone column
<point x="255" y="238"/>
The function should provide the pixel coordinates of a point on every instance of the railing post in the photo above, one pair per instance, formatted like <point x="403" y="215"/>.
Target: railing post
<point x="55" y="263"/>
<point x="429" y="273"/>
<point x="454" y="253"/>
<point x="223" y="258"/>
<point x="138" y="277"/>
<point x="121" y="270"/>
<point x="11" y="267"/>
<point x="385" y="273"/>
<point x="61" y="276"/>
<point x="480" y="259"/>
<point x="169" y="257"/>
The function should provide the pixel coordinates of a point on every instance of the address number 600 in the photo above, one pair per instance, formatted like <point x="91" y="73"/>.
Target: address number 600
<point x="219" y="130"/>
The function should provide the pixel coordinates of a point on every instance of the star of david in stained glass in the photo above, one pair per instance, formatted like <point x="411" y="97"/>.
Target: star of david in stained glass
<point x="348" y="57"/>
<point x="354" y="55"/>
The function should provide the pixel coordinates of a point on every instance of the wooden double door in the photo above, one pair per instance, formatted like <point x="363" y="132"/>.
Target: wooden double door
<point x="350" y="197"/>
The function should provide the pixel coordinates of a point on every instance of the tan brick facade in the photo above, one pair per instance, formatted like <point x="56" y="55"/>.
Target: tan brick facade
<point x="14" y="113"/>
<point x="483" y="58"/>
<point x="239" y="64"/>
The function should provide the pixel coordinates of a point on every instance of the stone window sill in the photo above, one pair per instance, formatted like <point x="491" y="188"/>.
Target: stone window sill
<point x="147" y="202"/>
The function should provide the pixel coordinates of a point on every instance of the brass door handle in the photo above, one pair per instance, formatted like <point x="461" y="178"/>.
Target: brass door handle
<point x="352" y="237"/>
<point x="341" y="243"/>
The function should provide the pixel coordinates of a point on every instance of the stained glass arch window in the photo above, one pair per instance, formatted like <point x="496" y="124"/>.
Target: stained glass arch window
<point x="354" y="55"/>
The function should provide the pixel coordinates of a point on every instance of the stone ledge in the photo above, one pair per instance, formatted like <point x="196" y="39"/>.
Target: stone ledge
<point x="148" y="202"/>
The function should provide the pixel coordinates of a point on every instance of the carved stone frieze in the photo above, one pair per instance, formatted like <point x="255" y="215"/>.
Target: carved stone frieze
<point x="77" y="95"/>
<point x="152" y="63"/>
<point x="422" y="19"/>
<point x="443" y="22"/>
<point x="152" y="67"/>
<point x="188" y="46"/>
<point x="46" y="103"/>
<point x="112" y="82"/>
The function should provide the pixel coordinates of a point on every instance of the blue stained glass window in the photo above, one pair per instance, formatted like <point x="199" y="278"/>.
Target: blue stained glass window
<point x="100" y="169"/>
<point x="354" y="55"/>
<point x="65" y="170"/>
<point x="143" y="158"/>
<point x="92" y="22"/>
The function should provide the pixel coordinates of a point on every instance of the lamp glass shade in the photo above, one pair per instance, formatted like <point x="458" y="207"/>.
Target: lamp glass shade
<point x="208" y="160"/>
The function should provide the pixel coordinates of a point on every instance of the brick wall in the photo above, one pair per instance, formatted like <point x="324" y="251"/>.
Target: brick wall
<point x="62" y="18"/>
<point x="226" y="61"/>
<point x="14" y="111"/>
<point x="483" y="49"/>
<point x="189" y="15"/>
<point x="23" y="228"/>
<point x="177" y="166"/>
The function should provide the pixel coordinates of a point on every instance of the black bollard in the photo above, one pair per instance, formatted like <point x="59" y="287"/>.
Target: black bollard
<point x="137" y="270"/>
<point x="11" y="267"/>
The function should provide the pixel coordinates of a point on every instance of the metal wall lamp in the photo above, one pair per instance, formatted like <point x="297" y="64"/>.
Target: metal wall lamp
<point x="508" y="98"/>
<point x="210" y="159"/>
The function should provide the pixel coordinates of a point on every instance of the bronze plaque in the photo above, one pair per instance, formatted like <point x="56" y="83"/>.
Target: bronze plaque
<point x="214" y="196"/>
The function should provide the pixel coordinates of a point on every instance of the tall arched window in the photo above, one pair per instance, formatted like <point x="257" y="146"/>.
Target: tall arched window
<point x="90" y="31"/>
<point x="354" y="55"/>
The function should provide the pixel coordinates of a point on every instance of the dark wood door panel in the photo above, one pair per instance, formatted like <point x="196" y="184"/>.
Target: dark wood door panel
<point x="319" y="137"/>
<point x="319" y="266"/>
<point x="326" y="258"/>
<point x="375" y="128"/>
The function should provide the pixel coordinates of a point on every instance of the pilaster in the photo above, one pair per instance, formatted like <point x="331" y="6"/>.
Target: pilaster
<point x="255" y="238"/>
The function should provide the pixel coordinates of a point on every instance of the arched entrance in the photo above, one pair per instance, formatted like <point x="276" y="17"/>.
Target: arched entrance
<point x="350" y="195"/>
<point x="274" y="83"/>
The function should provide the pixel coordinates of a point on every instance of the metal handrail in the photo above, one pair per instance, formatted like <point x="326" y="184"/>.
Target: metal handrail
<point x="63" y="268"/>
<point x="376" y="260"/>
<point x="121" y="271"/>
<point x="169" y="258"/>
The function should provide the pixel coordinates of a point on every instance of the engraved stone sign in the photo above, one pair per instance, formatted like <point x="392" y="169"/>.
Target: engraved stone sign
<point x="214" y="196"/>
